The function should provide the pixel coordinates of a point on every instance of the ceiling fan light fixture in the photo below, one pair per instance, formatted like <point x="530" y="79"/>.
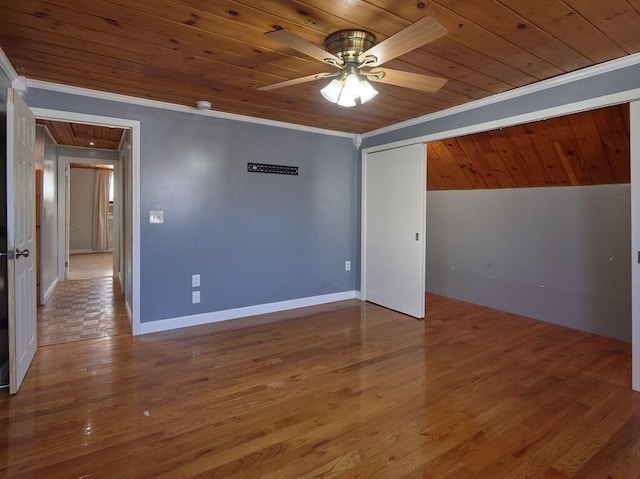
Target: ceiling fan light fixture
<point x="349" y="90"/>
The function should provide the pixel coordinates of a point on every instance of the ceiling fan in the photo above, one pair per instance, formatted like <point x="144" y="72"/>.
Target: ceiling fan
<point x="356" y="56"/>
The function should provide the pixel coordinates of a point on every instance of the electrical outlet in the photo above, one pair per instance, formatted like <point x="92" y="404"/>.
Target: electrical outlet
<point x="347" y="265"/>
<point x="195" y="280"/>
<point x="195" y="297"/>
<point x="156" y="217"/>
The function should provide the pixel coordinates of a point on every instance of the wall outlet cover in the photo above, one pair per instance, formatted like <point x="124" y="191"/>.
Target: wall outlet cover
<point x="156" y="217"/>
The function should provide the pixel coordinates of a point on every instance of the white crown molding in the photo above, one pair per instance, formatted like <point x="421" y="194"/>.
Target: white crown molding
<point x="567" y="78"/>
<point x="20" y="85"/>
<point x="72" y="90"/>
<point x="7" y="67"/>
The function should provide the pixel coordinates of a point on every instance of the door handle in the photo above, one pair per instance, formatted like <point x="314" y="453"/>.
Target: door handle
<point x="24" y="253"/>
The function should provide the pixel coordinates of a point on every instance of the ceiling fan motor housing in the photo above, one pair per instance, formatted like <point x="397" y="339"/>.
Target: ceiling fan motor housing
<point x="349" y="44"/>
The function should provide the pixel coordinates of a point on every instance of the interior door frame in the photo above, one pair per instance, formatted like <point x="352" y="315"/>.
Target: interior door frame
<point x="628" y="96"/>
<point x="133" y="309"/>
<point x="64" y="163"/>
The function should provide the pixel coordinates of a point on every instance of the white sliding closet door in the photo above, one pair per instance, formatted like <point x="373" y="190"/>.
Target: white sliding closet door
<point x="393" y="245"/>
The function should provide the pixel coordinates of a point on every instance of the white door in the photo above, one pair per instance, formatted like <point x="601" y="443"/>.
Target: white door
<point x="67" y="217"/>
<point x="21" y="228"/>
<point x="635" y="242"/>
<point x="394" y="195"/>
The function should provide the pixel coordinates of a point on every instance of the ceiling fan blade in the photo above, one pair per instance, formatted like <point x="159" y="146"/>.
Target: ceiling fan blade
<point x="295" y="81"/>
<point x="414" y="36"/>
<point x="294" y="41"/>
<point x="415" y="81"/>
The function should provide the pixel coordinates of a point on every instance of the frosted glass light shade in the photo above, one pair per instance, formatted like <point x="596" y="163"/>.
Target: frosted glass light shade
<point x="367" y="92"/>
<point x="332" y="91"/>
<point x="349" y="91"/>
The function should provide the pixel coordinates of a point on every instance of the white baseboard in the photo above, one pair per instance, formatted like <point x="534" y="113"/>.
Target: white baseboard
<point x="87" y="251"/>
<point x="47" y="294"/>
<point x="214" y="317"/>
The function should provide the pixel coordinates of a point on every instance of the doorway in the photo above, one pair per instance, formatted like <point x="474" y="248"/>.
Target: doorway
<point x="92" y="232"/>
<point x="90" y="205"/>
<point x="124" y="279"/>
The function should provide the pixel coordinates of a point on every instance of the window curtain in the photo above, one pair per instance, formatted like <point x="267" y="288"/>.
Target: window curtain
<point x="101" y="210"/>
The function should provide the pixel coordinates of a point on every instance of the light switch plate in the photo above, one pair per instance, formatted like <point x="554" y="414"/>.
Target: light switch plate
<point x="156" y="217"/>
<point x="195" y="280"/>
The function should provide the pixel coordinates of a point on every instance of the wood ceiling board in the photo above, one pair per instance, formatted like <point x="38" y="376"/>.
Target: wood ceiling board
<point x="517" y="30"/>
<point x="565" y="141"/>
<point x="189" y="58"/>
<point x="545" y="151"/>
<point x="528" y="155"/>
<point x="181" y="51"/>
<point x="459" y="54"/>
<point x="589" y="148"/>
<point x="81" y="135"/>
<point x="615" y="18"/>
<point x="511" y="156"/>
<point x="153" y="46"/>
<point x="477" y="158"/>
<point x="474" y="36"/>
<point x="468" y="165"/>
<point x="613" y="128"/>
<point x="563" y="23"/>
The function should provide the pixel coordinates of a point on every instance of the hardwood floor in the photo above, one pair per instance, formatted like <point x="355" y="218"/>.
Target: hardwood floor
<point x="344" y="390"/>
<point x="86" y="309"/>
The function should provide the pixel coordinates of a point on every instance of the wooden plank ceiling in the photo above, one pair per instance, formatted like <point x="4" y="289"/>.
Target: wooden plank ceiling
<point x="181" y="51"/>
<point x="78" y="134"/>
<point x="590" y="148"/>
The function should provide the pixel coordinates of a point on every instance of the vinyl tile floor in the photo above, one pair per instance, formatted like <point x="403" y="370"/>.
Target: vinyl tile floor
<point x="85" y="309"/>
<point x="90" y="265"/>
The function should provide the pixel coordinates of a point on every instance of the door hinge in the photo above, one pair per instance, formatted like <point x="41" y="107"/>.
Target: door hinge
<point x="417" y="237"/>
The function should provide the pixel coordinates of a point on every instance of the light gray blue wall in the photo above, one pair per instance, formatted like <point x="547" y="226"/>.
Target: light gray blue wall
<point x="81" y="210"/>
<point x="253" y="238"/>
<point x="555" y="254"/>
<point x="607" y="83"/>
<point x="49" y="214"/>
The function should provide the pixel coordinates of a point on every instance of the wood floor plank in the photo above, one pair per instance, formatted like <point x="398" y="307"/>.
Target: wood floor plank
<point x="344" y="390"/>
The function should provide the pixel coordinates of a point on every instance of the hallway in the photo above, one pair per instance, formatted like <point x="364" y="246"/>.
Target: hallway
<point x="85" y="309"/>
<point x="90" y="265"/>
